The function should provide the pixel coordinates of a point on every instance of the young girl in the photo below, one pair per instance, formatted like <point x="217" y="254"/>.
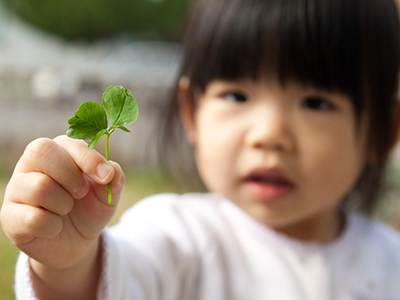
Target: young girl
<point x="290" y="106"/>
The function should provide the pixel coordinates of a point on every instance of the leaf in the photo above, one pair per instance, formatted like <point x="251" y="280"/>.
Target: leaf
<point x="94" y="142"/>
<point x="120" y="105"/>
<point x="88" y="120"/>
<point x="124" y="128"/>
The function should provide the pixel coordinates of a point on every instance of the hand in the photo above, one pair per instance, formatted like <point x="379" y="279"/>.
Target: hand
<point x="55" y="204"/>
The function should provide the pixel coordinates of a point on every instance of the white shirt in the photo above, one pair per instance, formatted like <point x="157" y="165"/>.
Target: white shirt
<point x="203" y="247"/>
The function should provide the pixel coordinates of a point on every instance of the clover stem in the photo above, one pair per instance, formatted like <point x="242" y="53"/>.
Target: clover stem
<point x="108" y="158"/>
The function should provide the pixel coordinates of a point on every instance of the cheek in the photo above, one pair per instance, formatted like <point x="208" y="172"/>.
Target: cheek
<point x="333" y="161"/>
<point x="212" y="164"/>
<point x="215" y="153"/>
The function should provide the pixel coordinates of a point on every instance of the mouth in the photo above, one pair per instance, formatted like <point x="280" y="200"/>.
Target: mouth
<point x="268" y="185"/>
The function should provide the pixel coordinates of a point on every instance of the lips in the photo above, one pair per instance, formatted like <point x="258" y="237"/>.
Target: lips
<point x="268" y="184"/>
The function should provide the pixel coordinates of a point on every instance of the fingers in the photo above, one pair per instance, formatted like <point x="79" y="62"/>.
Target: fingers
<point x="96" y="167"/>
<point x="33" y="222"/>
<point x="33" y="206"/>
<point x="92" y="213"/>
<point x="40" y="206"/>
<point x="40" y="190"/>
<point x="51" y="174"/>
<point x="65" y="160"/>
<point x="89" y="161"/>
<point x="47" y="157"/>
<point x="117" y="184"/>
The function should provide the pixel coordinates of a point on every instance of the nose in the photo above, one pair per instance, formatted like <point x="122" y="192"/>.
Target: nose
<point x="270" y="129"/>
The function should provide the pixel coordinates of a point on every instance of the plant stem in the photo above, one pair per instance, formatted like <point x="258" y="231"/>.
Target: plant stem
<point x="108" y="158"/>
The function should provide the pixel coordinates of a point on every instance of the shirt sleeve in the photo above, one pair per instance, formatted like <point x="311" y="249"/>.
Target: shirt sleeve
<point x="23" y="283"/>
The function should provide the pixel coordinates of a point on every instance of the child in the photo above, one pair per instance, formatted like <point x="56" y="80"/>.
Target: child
<point x="290" y="106"/>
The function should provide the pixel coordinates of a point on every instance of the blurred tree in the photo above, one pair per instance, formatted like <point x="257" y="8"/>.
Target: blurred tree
<point x="92" y="19"/>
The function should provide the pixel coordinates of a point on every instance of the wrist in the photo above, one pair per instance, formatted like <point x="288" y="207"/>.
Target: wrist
<point x="78" y="281"/>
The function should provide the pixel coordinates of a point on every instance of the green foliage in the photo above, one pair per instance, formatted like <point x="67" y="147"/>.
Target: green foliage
<point x="90" y="120"/>
<point x="92" y="19"/>
<point x="120" y="106"/>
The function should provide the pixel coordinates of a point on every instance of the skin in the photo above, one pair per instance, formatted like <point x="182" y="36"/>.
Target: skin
<point x="54" y="209"/>
<point x="307" y="136"/>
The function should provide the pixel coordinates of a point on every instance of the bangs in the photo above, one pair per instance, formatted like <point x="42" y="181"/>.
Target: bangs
<point x="322" y="43"/>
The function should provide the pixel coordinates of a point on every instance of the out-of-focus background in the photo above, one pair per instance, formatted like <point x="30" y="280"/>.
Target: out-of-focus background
<point x="54" y="55"/>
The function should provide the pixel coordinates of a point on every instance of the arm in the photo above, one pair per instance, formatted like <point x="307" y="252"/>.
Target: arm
<point x="54" y="209"/>
<point x="77" y="282"/>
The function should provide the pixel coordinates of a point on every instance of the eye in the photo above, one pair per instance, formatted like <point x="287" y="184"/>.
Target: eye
<point x="235" y="97"/>
<point x="316" y="103"/>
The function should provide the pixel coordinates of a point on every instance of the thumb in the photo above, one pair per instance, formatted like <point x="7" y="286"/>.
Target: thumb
<point x="92" y="213"/>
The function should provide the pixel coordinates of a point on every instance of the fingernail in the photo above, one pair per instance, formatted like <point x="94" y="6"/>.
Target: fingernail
<point x="103" y="170"/>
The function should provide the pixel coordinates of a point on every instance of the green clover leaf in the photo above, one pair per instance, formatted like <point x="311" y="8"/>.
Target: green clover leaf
<point x="90" y="120"/>
<point x="120" y="106"/>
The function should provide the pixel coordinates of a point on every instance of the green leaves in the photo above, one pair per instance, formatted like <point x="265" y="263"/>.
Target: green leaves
<point x="120" y="106"/>
<point x="90" y="120"/>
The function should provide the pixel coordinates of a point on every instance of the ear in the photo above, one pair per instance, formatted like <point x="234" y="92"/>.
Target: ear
<point x="186" y="110"/>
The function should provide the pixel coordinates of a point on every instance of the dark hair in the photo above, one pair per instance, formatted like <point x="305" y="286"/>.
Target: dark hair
<point x="348" y="46"/>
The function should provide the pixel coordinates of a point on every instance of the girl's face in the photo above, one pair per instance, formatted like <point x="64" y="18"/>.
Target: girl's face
<point x="285" y="155"/>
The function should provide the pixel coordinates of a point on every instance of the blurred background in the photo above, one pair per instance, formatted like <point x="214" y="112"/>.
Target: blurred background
<point x="54" y="55"/>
